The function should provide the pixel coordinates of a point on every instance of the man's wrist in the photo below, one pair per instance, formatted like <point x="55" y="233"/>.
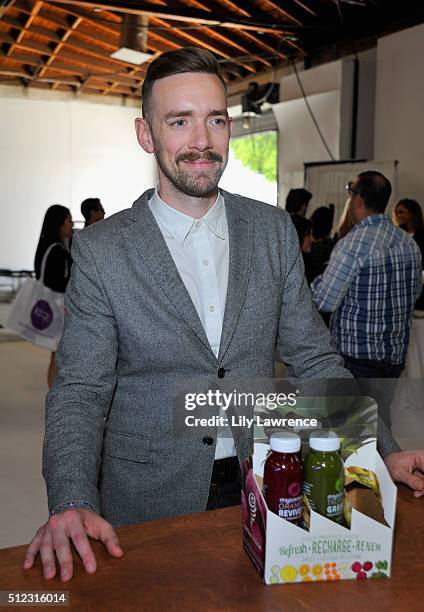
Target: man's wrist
<point x="70" y="505"/>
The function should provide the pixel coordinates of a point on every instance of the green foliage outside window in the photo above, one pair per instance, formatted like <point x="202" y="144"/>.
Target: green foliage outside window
<point x="258" y="152"/>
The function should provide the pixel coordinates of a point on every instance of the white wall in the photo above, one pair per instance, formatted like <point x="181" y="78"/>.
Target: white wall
<point x="399" y="125"/>
<point x="299" y="141"/>
<point x="62" y="151"/>
<point x="330" y="92"/>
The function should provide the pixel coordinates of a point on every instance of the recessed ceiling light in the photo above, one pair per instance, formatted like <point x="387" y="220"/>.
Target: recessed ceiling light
<point x="131" y="56"/>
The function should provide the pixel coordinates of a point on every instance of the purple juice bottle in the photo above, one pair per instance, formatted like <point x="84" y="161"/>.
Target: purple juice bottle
<point x="283" y="477"/>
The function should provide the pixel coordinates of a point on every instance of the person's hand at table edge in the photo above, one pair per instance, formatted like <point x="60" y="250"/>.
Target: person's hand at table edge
<point x="53" y="542"/>
<point x="407" y="467"/>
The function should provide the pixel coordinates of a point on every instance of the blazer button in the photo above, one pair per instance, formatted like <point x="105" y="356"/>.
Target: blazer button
<point x="221" y="373"/>
<point x="207" y="441"/>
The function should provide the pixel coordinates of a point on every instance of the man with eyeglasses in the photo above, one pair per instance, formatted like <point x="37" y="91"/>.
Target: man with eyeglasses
<point x="370" y="285"/>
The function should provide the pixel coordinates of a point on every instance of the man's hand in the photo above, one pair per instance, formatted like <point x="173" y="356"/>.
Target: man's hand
<point x="53" y="540"/>
<point x="407" y="467"/>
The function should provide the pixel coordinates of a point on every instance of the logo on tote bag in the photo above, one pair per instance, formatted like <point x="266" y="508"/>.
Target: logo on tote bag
<point x="41" y="315"/>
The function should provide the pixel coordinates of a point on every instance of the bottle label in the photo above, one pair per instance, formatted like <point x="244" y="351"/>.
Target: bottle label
<point x="290" y="508"/>
<point x="333" y="502"/>
<point x="335" y="505"/>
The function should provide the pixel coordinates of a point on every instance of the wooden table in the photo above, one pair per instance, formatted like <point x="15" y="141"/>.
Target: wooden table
<point x="197" y="562"/>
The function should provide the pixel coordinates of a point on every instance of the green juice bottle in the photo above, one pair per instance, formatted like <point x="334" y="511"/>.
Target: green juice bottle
<point x="324" y="475"/>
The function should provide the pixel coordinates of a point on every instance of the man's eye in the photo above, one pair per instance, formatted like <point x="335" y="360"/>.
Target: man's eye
<point x="219" y="121"/>
<point x="179" y="122"/>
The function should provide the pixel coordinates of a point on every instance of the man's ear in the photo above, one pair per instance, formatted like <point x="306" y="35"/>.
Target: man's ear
<point x="144" y="135"/>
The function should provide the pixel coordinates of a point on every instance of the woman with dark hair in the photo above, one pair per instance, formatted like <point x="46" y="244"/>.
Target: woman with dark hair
<point x="55" y="233"/>
<point x="409" y="216"/>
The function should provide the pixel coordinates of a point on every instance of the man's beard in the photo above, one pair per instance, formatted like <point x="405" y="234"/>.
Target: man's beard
<point x="199" y="185"/>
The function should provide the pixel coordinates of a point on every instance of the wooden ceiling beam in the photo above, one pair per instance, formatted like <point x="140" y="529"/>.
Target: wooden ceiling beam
<point x="236" y="8"/>
<point x="200" y="40"/>
<point x="265" y="46"/>
<point x="115" y="84"/>
<point x="60" y="44"/>
<point x="229" y="39"/>
<point x="35" y="9"/>
<point x="288" y="9"/>
<point x="5" y="7"/>
<point x="70" y="44"/>
<point x="63" y="25"/>
<point x="307" y="8"/>
<point x="163" y="12"/>
<point x="6" y="38"/>
<point x="26" y="76"/>
<point x="256" y="15"/>
<point x="52" y="15"/>
<point x="21" y="58"/>
<point x="232" y="42"/>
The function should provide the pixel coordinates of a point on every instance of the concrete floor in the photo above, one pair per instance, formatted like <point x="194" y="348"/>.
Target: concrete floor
<point x="23" y="387"/>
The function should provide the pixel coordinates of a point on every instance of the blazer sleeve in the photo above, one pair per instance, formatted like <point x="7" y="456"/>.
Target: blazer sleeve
<point x="77" y="406"/>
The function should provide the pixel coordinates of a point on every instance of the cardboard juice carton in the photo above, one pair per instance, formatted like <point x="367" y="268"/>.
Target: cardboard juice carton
<point x="286" y="553"/>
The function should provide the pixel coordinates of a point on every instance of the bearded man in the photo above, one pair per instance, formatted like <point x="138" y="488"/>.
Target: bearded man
<point x="190" y="282"/>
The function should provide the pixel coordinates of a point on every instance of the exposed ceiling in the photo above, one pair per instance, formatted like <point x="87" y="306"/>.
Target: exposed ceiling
<point x="67" y="45"/>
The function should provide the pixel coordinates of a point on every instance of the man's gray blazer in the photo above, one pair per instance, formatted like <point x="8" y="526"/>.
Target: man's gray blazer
<point x="132" y="337"/>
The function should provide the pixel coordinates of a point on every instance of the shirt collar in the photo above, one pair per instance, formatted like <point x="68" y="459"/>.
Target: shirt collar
<point x="179" y="225"/>
<point x="374" y="220"/>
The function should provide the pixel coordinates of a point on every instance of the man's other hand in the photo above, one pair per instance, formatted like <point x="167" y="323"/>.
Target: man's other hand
<point x="53" y="541"/>
<point x="408" y="467"/>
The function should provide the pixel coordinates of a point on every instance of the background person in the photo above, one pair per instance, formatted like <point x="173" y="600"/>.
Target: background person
<point x="344" y="226"/>
<point x="408" y="215"/>
<point x="297" y="201"/>
<point x="322" y="223"/>
<point x="57" y="229"/>
<point x="92" y="211"/>
<point x="371" y="313"/>
<point x="303" y="228"/>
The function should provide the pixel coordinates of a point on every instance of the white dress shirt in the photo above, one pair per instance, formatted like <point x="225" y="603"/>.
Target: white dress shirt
<point x="200" y="250"/>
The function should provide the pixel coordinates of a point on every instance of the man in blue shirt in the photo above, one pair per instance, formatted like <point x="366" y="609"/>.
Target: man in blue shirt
<point x="370" y="285"/>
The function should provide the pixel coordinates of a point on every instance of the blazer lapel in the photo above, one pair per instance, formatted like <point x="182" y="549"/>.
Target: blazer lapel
<point x="147" y="238"/>
<point x="240" y="230"/>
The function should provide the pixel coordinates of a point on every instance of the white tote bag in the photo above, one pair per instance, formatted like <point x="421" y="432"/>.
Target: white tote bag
<point x="37" y="313"/>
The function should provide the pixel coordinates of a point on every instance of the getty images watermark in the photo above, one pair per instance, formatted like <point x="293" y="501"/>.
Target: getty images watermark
<point x="235" y="399"/>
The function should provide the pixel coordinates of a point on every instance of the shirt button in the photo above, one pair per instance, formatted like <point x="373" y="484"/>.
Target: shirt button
<point x="198" y="223"/>
<point x="205" y="262"/>
<point x="207" y="441"/>
<point x="211" y="308"/>
<point x="221" y="373"/>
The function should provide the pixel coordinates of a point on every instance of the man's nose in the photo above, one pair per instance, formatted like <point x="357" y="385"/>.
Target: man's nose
<point x="200" y="137"/>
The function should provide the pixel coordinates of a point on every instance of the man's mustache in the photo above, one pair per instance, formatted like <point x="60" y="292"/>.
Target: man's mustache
<point x="193" y="157"/>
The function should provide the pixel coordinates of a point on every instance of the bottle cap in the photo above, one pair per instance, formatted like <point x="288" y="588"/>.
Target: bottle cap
<point x="322" y="440"/>
<point x="285" y="442"/>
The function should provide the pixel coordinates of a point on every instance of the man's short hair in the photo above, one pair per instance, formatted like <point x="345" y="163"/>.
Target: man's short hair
<point x="178" y="61"/>
<point x="89" y="205"/>
<point x="296" y="199"/>
<point x="375" y="189"/>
